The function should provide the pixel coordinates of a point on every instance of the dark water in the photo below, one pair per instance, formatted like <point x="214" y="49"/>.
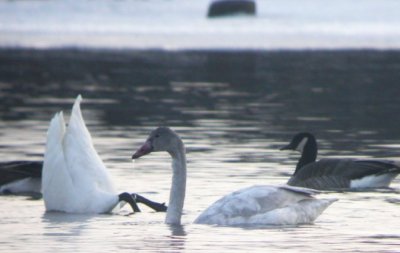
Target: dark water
<point x="233" y="110"/>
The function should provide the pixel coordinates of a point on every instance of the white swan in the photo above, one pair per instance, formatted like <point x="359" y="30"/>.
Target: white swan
<point x="262" y="205"/>
<point x="74" y="178"/>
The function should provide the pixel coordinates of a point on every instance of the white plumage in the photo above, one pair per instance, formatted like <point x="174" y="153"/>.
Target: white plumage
<point x="265" y="205"/>
<point x="378" y="181"/>
<point x="75" y="179"/>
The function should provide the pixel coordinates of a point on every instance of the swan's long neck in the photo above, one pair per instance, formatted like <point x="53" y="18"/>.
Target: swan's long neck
<point x="177" y="193"/>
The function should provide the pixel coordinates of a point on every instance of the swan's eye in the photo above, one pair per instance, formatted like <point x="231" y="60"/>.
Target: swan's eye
<point x="157" y="135"/>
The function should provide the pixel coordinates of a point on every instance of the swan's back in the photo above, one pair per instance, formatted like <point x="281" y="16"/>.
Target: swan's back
<point x="265" y="205"/>
<point x="74" y="177"/>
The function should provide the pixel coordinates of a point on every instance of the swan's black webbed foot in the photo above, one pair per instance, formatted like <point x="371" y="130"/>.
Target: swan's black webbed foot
<point x="158" y="207"/>
<point x="130" y="199"/>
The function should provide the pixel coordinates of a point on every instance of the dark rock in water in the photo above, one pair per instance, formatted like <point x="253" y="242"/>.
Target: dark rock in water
<point x="230" y="7"/>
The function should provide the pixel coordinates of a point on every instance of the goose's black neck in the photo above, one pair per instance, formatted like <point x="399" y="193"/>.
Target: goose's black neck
<point x="309" y="153"/>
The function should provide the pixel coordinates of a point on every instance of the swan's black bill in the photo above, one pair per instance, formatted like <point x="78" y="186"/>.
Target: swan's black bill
<point x="144" y="150"/>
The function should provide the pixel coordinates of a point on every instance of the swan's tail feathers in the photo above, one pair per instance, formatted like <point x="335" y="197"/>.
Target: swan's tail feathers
<point x="54" y="162"/>
<point x="55" y="137"/>
<point x="77" y="124"/>
<point x="78" y="99"/>
<point x="315" y="207"/>
<point x="325" y="203"/>
<point x="80" y="154"/>
<point x="56" y="131"/>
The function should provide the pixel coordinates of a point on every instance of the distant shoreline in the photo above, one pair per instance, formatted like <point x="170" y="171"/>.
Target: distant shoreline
<point x="242" y="57"/>
<point x="20" y="64"/>
<point x="4" y="50"/>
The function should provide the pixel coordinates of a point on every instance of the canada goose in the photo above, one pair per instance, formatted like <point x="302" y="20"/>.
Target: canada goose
<point x="337" y="173"/>
<point x="261" y="204"/>
<point x="21" y="178"/>
<point x="75" y="180"/>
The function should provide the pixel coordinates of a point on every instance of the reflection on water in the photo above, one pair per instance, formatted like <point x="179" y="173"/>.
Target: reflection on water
<point x="233" y="110"/>
<point x="61" y="228"/>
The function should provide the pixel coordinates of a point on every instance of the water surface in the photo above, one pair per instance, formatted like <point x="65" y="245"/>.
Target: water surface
<point x="234" y="110"/>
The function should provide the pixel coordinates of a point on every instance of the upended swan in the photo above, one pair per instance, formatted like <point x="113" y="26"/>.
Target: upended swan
<point x="337" y="173"/>
<point x="21" y="178"/>
<point x="74" y="179"/>
<point x="256" y="205"/>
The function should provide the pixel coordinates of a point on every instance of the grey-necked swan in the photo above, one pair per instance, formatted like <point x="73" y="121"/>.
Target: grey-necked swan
<point x="74" y="179"/>
<point x="261" y="205"/>
<point x="337" y="173"/>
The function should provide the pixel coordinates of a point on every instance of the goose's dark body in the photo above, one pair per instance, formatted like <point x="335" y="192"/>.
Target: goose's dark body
<point x="16" y="170"/>
<point x="337" y="173"/>
<point x="20" y="177"/>
<point x="344" y="173"/>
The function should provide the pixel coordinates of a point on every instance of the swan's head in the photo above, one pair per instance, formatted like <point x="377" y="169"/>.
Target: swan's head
<point x="299" y="141"/>
<point x="160" y="139"/>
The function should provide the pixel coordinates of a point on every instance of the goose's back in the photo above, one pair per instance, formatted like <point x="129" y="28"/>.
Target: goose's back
<point x="15" y="170"/>
<point x="21" y="177"/>
<point x="339" y="173"/>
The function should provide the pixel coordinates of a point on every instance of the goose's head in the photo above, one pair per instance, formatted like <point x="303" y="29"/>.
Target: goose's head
<point x="299" y="141"/>
<point x="160" y="139"/>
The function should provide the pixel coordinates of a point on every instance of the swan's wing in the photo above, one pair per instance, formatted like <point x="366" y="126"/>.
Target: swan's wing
<point x="53" y="157"/>
<point x="57" y="187"/>
<point x="300" y="190"/>
<point x="338" y="173"/>
<point x="86" y="167"/>
<point x="242" y="206"/>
